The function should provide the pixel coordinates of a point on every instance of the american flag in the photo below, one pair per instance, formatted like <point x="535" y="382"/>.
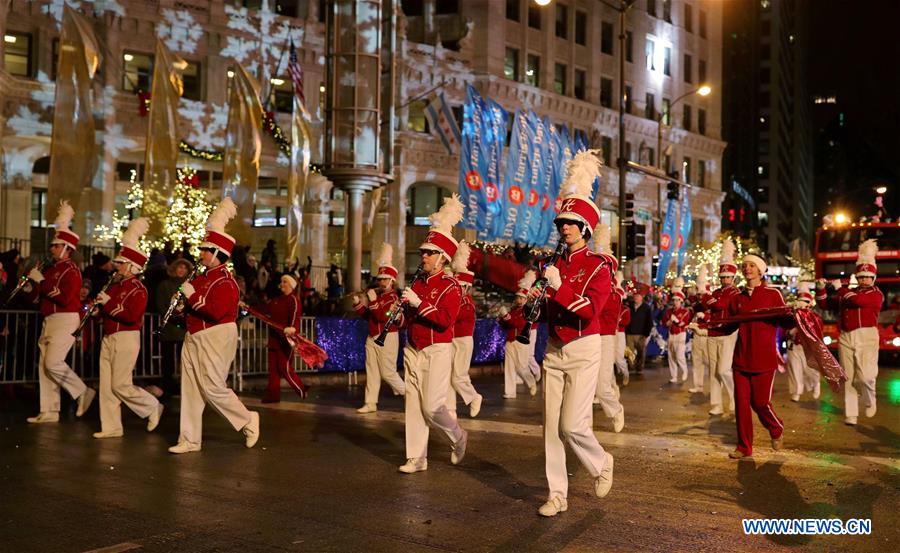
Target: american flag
<point x="296" y="74"/>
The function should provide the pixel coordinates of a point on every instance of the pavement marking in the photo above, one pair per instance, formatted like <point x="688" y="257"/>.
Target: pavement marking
<point x="669" y="444"/>
<point x="117" y="548"/>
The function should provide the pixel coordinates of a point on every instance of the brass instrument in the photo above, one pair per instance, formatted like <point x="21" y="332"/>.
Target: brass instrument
<point x="396" y="310"/>
<point x="94" y="308"/>
<point x="533" y="310"/>
<point x="176" y="304"/>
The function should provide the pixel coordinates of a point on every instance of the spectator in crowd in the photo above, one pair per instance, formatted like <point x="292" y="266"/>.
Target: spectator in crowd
<point x="269" y="255"/>
<point x="171" y="335"/>
<point x="639" y="330"/>
<point x="335" y="283"/>
<point x="99" y="272"/>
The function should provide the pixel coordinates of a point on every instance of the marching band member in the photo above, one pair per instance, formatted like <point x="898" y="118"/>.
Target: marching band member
<point x="578" y="285"/>
<point x="463" y="329"/>
<point x="432" y="306"/>
<point x="516" y="359"/>
<point x="720" y="346"/>
<point x="123" y="307"/>
<point x="677" y="318"/>
<point x="607" y="392"/>
<point x="859" y="309"/>
<point x="211" y="304"/>
<point x="57" y="289"/>
<point x="624" y="321"/>
<point x="756" y="358"/>
<point x="700" y="339"/>
<point x="802" y="376"/>
<point x="381" y="361"/>
<point x="285" y="310"/>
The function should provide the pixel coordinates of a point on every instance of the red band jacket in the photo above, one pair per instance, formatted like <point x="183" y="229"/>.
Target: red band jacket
<point x="58" y="291"/>
<point x="716" y="307"/>
<point x="465" y="321"/>
<point x="859" y="308"/>
<point x="624" y="318"/>
<point x="513" y="322"/>
<point x="432" y="322"/>
<point x="609" y="316"/>
<point x="756" y="350"/>
<point x="376" y="312"/>
<point x="286" y="311"/>
<point x="214" y="301"/>
<point x="677" y="319"/>
<point x="126" y="306"/>
<point x="572" y="311"/>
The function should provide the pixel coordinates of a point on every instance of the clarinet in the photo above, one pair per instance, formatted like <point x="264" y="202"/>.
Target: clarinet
<point x="23" y="281"/>
<point x="396" y="310"/>
<point x="175" y="304"/>
<point x="95" y="307"/>
<point x="533" y="310"/>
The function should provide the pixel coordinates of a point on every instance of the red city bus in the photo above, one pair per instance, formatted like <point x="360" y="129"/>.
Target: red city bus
<point x="835" y="257"/>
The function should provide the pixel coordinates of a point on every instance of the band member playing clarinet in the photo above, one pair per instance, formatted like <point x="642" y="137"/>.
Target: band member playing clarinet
<point x="284" y="310"/>
<point x="607" y="393"/>
<point x="516" y="357"/>
<point x="579" y="282"/>
<point x="381" y="361"/>
<point x="57" y="288"/>
<point x="124" y="304"/>
<point x="210" y="344"/>
<point x="432" y="305"/>
<point x="463" y="329"/>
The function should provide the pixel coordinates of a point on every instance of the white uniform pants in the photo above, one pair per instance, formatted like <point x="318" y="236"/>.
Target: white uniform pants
<point x="803" y="378"/>
<point x="607" y="390"/>
<point x="699" y="359"/>
<point x="381" y="363"/>
<point x="118" y="353"/>
<point x="205" y="361"/>
<point x="677" y="361"/>
<point x="570" y="379"/>
<point x="427" y="380"/>
<point x="459" y="377"/>
<point x="533" y="365"/>
<point x="621" y="362"/>
<point x="859" y="357"/>
<point x="516" y="362"/>
<point x="721" y="356"/>
<point x="54" y="344"/>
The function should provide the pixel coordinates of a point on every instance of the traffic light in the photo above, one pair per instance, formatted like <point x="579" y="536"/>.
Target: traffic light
<point x="673" y="190"/>
<point x="635" y="241"/>
<point x="629" y="206"/>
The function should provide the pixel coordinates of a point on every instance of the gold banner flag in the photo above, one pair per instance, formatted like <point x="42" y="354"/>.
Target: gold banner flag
<point x="161" y="158"/>
<point x="73" y="156"/>
<point x="296" y="189"/>
<point x="243" y="146"/>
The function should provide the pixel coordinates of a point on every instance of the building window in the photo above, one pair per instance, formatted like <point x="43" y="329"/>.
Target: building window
<point x="650" y="108"/>
<point x="424" y="199"/>
<point x="650" y="51"/>
<point x="283" y="94"/>
<point x="629" y="47"/>
<point x="534" y="16"/>
<point x="667" y="61"/>
<point x="38" y="207"/>
<point x="415" y="120"/>
<point x="702" y="24"/>
<point x="686" y="170"/>
<point x="627" y="98"/>
<point x="287" y="8"/>
<point x="192" y="80"/>
<point x="688" y="73"/>
<point x="667" y="10"/>
<point x="511" y="64"/>
<point x="701" y="71"/>
<point x="533" y="70"/>
<point x="562" y="21"/>
<point x="512" y="9"/>
<point x="651" y="157"/>
<point x="137" y="72"/>
<point x="688" y="18"/>
<point x="445" y="7"/>
<point x="580" y="84"/>
<point x="651" y="7"/>
<point x="701" y="121"/>
<point x="17" y="54"/>
<point x="686" y="120"/>
<point x="606" y="92"/>
<point x="264" y="213"/>
<point x="666" y="111"/>
<point x="559" y="78"/>
<point x="606" y="37"/>
<point x="765" y="75"/>
<point x="580" y="27"/>
<point x="336" y="214"/>
<point x="701" y="173"/>
<point x="606" y="149"/>
<point x="628" y="151"/>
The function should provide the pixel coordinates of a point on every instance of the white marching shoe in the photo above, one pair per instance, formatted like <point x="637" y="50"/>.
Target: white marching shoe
<point x="367" y="408"/>
<point x="414" y="465"/>
<point x="44" y="417"/>
<point x="84" y="401"/>
<point x="153" y="419"/>
<point x="554" y="507"/>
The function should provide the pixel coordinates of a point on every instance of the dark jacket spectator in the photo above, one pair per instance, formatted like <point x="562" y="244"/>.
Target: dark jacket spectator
<point x="641" y="320"/>
<point x="99" y="272"/>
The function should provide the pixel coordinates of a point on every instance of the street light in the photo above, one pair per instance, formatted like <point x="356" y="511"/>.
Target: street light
<point x="542" y="2"/>
<point x="881" y="189"/>
<point x="704" y="90"/>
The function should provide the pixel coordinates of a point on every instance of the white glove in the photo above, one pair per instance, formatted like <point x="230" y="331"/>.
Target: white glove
<point x="820" y="284"/>
<point x="412" y="298"/>
<point x="36" y="275"/>
<point x="836" y="283"/>
<point x="102" y="298"/>
<point x="371" y="295"/>
<point x="551" y="273"/>
<point x="701" y="315"/>
<point x="290" y="331"/>
<point x="503" y="311"/>
<point x="187" y="289"/>
<point x="356" y="299"/>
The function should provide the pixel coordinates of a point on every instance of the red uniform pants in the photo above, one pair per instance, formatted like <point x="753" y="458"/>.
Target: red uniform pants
<point x="754" y="391"/>
<point x="280" y="367"/>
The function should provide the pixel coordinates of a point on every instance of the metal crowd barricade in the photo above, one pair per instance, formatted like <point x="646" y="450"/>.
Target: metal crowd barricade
<point x="252" y="359"/>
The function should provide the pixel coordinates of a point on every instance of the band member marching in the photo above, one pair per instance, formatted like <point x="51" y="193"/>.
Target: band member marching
<point x="700" y="331"/>
<point x="57" y="289"/>
<point x="516" y="359"/>
<point x="720" y="346"/>
<point x="607" y="392"/>
<point x="578" y="284"/>
<point x="624" y="321"/>
<point x="677" y="318"/>
<point x="381" y="361"/>
<point x="286" y="311"/>
<point x="431" y="307"/>
<point x="123" y="306"/>
<point x="211" y="305"/>
<point x="859" y="339"/>
<point x="463" y="344"/>
<point x="802" y="376"/>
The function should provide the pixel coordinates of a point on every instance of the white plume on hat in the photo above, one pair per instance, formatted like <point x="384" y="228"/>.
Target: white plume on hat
<point x="224" y="212"/>
<point x="448" y="215"/>
<point x="581" y="171"/>
<point x="131" y="238"/>
<point x="527" y="281"/>
<point x="620" y="278"/>
<point x="867" y="251"/>
<point x="460" y="261"/>
<point x="64" y="216"/>
<point x="385" y="255"/>
<point x="727" y="254"/>
<point x="602" y="240"/>
<point x="702" y="279"/>
<point x="678" y="285"/>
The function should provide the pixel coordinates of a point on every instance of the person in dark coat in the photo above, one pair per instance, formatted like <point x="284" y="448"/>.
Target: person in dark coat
<point x="638" y="330"/>
<point x="172" y="335"/>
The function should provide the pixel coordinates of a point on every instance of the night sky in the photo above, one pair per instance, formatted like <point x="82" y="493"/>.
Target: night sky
<point x="855" y="55"/>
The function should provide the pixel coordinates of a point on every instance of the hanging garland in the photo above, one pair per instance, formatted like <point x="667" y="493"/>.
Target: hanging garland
<point x="276" y="133"/>
<point x="207" y="155"/>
